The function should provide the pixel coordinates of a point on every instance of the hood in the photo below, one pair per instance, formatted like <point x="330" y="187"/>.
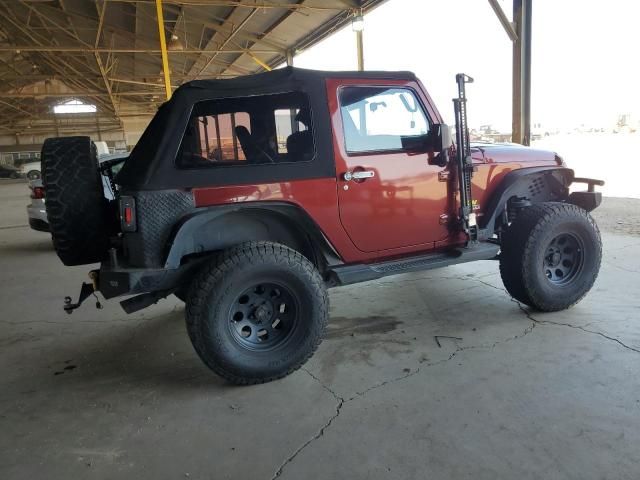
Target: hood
<point x="509" y="152"/>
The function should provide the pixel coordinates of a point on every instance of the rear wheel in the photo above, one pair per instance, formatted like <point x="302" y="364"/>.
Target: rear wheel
<point x="75" y="202"/>
<point x="550" y="256"/>
<point x="257" y="312"/>
<point x="33" y="175"/>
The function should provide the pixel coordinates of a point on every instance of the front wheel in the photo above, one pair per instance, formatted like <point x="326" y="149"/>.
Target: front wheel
<point x="550" y="256"/>
<point x="257" y="312"/>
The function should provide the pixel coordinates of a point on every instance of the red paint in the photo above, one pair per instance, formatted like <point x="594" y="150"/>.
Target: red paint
<point x="401" y="205"/>
<point x="398" y="211"/>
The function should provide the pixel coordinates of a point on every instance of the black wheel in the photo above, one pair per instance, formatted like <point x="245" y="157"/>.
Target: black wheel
<point x="33" y="175"/>
<point x="76" y="206"/>
<point x="14" y="175"/>
<point x="550" y="256"/>
<point x="257" y="312"/>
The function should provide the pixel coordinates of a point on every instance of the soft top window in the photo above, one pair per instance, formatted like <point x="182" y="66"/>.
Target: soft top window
<point x="261" y="129"/>
<point x="378" y="118"/>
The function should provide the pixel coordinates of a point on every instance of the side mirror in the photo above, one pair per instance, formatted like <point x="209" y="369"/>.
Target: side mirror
<point x="439" y="137"/>
<point x="440" y="143"/>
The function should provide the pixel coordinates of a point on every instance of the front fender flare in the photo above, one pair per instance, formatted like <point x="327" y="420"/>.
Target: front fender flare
<point x="538" y="184"/>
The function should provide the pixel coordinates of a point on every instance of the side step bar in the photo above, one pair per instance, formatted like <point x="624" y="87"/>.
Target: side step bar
<point x="347" y="274"/>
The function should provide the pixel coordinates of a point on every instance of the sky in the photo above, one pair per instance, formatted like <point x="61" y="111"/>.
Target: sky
<point x="585" y="67"/>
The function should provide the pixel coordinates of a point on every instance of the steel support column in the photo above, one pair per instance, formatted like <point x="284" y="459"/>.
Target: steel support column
<point x="521" y="103"/>
<point x="163" y="49"/>
<point x="360" y="50"/>
<point x="526" y="73"/>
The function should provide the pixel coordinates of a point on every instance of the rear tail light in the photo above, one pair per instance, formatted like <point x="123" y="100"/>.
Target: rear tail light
<point x="37" y="193"/>
<point x="128" y="214"/>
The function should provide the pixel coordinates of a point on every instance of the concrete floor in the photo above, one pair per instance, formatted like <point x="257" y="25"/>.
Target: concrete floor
<point x="516" y="394"/>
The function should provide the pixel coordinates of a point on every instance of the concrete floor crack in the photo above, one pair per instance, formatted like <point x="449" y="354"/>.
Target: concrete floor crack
<point x="577" y="327"/>
<point x="340" y="403"/>
<point x="387" y="382"/>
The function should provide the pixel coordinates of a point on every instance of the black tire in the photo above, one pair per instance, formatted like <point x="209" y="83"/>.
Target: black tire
<point x="217" y="309"/>
<point x="550" y="256"/>
<point x="33" y="175"/>
<point x="181" y="293"/>
<point x="76" y="207"/>
<point x="14" y="175"/>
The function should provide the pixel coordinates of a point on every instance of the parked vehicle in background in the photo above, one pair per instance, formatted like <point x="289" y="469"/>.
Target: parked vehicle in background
<point x="250" y="218"/>
<point x="36" y="210"/>
<point x="8" y="171"/>
<point x="32" y="171"/>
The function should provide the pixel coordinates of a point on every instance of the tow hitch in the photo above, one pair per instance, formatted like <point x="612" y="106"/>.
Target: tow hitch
<point x="86" y="291"/>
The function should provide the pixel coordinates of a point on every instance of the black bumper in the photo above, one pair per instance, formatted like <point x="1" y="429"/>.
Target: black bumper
<point x="589" y="200"/>
<point x="39" y="225"/>
<point x="117" y="281"/>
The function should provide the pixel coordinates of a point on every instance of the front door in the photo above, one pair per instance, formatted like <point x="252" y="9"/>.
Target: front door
<point x="389" y="198"/>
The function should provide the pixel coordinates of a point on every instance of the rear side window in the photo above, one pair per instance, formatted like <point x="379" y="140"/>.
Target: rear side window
<point x="261" y="129"/>
<point x="376" y="119"/>
<point x="217" y="137"/>
<point x="286" y="125"/>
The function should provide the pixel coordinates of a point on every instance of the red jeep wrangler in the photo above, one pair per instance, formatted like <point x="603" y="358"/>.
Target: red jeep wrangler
<point x="248" y="198"/>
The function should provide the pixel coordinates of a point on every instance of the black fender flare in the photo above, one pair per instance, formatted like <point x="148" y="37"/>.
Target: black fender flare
<point x="537" y="184"/>
<point x="219" y="227"/>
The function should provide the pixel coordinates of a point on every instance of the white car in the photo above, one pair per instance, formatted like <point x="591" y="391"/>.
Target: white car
<point x="31" y="170"/>
<point x="36" y="209"/>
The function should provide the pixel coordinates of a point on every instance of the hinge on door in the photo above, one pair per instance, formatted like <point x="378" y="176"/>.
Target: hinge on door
<point x="443" y="175"/>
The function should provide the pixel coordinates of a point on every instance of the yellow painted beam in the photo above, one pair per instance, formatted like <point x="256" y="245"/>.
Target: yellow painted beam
<point x="259" y="62"/>
<point x="163" y="49"/>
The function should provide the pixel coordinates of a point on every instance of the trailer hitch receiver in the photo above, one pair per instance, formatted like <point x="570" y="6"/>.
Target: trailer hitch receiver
<point x="86" y="291"/>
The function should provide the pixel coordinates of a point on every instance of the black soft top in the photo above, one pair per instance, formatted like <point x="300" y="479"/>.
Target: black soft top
<point x="151" y="163"/>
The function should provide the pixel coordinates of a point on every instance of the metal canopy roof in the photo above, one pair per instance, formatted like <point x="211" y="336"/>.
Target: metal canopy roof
<point x="107" y="52"/>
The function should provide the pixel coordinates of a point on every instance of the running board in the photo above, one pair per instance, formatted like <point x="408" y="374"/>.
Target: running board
<point x="347" y="274"/>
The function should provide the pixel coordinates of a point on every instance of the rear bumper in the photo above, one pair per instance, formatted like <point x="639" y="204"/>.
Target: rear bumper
<point x="39" y="225"/>
<point x="115" y="281"/>
<point x="38" y="217"/>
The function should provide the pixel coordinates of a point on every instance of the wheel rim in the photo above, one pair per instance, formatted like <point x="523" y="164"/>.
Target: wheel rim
<point x="563" y="259"/>
<point x="263" y="316"/>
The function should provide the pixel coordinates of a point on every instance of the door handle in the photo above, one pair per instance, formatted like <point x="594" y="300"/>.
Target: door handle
<point x="358" y="175"/>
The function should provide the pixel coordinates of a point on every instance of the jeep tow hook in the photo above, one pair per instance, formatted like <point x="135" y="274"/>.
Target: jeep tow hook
<point x="86" y="291"/>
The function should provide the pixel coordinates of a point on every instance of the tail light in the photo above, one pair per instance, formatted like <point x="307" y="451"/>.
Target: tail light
<point x="128" y="213"/>
<point x="37" y="193"/>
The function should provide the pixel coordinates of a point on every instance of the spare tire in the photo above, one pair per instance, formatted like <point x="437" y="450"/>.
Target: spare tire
<point x="75" y="202"/>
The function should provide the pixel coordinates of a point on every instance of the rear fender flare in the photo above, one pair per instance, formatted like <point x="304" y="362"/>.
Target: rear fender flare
<point x="538" y="184"/>
<point x="216" y="228"/>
